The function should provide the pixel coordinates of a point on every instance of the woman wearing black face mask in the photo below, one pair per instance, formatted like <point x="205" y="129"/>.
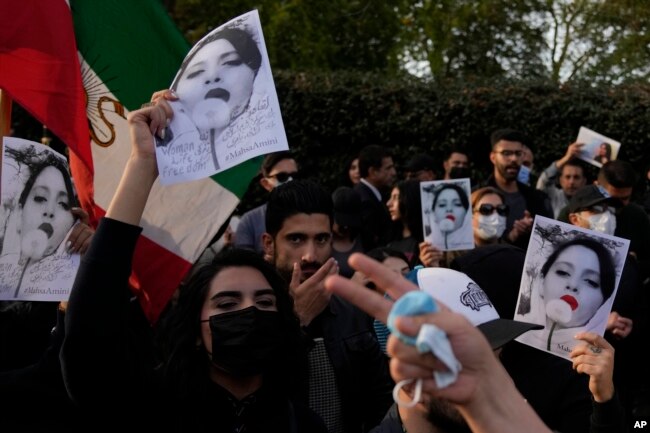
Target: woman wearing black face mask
<point x="230" y="352"/>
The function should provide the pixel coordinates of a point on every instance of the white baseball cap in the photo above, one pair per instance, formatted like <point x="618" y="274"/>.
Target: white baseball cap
<point x="462" y="295"/>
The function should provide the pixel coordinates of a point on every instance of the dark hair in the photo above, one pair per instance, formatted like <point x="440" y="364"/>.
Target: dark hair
<point x="185" y="366"/>
<point x="296" y="197"/>
<point x="605" y="260"/>
<point x="271" y="159"/>
<point x="462" y="195"/>
<point x="240" y="39"/>
<point x="608" y="148"/>
<point x="410" y="204"/>
<point x="478" y="194"/>
<point x="345" y="174"/>
<point x="574" y="162"/>
<point x="508" y="135"/>
<point x="455" y="149"/>
<point x="50" y="160"/>
<point x="372" y="155"/>
<point x="617" y="173"/>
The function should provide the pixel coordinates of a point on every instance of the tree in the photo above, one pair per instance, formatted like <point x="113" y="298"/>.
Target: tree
<point x="604" y="41"/>
<point x="468" y="38"/>
<point x="302" y="36"/>
<point x="563" y="40"/>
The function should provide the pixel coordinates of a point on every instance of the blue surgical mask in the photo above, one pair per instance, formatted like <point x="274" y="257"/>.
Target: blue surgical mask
<point x="524" y="174"/>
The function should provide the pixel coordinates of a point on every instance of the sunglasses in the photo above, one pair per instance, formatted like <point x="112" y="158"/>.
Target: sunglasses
<point x="487" y="209"/>
<point x="283" y="176"/>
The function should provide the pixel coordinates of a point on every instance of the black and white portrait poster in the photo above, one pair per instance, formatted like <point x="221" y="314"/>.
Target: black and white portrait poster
<point x="570" y="279"/>
<point x="597" y="149"/>
<point x="227" y="111"/>
<point x="37" y="196"/>
<point x="447" y="214"/>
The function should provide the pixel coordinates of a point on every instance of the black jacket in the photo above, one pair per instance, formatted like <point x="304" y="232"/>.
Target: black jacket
<point x="375" y="216"/>
<point x="109" y="366"/>
<point x="360" y="366"/>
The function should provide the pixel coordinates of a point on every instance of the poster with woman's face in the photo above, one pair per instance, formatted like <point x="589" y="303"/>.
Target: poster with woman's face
<point x="37" y="195"/>
<point x="597" y="149"/>
<point x="447" y="214"/>
<point x="227" y="111"/>
<point x="570" y="278"/>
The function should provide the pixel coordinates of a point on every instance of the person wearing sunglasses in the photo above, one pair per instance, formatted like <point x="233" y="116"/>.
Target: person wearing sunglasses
<point x="489" y="213"/>
<point x="277" y="168"/>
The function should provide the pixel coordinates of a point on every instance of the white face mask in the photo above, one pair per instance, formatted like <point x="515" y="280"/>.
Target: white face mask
<point x="491" y="227"/>
<point x="603" y="222"/>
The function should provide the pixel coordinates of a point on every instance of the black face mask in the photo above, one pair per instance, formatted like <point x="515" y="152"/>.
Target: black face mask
<point x="459" y="172"/>
<point x="246" y="342"/>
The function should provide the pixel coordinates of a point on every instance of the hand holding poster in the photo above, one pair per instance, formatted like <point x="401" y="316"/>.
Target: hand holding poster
<point x="227" y="111"/>
<point x="597" y="149"/>
<point x="37" y="194"/>
<point x="570" y="279"/>
<point x="447" y="214"/>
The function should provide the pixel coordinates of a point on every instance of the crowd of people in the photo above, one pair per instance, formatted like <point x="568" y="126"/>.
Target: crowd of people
<point x="283" y="327"/>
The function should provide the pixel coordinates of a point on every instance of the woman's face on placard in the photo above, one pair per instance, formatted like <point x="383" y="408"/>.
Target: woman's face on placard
<point x="574" y="278"/>
<point x="48" y="207"/>
<point x="602" y="151"/>
<point x="449" y="207"/>
<point x="216" y="86"/>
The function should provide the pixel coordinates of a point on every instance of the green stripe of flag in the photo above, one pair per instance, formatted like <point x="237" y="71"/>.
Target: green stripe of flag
<point x="122" y="35"/>
<point x="139" y="36"/>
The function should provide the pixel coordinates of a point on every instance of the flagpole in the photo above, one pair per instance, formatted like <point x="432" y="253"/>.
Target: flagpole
<point x="5" y="121"/>
<point x="5" y="114"/>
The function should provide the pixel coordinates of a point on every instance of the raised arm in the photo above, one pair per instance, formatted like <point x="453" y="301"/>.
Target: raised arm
<point x="141" y="169"/>
<point x="483" y="393"/>
<point x="107" y="348"/>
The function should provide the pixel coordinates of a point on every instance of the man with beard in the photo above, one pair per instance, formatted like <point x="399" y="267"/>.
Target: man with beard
<point x="563" y="178"/>
<point x="524" y="201"/>
<point x="349" y="385"/>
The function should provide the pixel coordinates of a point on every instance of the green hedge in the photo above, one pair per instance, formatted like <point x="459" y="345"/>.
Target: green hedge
<point x="329" y="117"/>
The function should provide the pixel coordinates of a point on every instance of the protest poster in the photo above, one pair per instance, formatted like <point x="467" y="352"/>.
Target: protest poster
<point x="37" y="195"/>
<point x="570" y="279"/>
<point x="227" y="110"/>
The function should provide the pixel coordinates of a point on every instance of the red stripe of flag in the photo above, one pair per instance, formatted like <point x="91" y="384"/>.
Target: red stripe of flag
<point x="39" y="68"/>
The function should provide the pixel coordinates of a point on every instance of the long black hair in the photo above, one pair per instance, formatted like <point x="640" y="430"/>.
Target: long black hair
<point x="186" y="365"/>
<point x="410" y="207"/>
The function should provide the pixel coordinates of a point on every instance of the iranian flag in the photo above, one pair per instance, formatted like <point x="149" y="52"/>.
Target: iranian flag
<point x="128" y="49"/>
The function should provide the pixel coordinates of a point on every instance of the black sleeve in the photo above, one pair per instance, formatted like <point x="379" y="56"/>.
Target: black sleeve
<point x="608" y="417"/>
<point x="107" y="350"/>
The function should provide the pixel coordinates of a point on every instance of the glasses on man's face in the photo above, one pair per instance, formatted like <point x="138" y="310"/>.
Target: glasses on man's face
<point x="284" y="176"/>
<point x="488" y="209"/>
<point x="510" y="153"/>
